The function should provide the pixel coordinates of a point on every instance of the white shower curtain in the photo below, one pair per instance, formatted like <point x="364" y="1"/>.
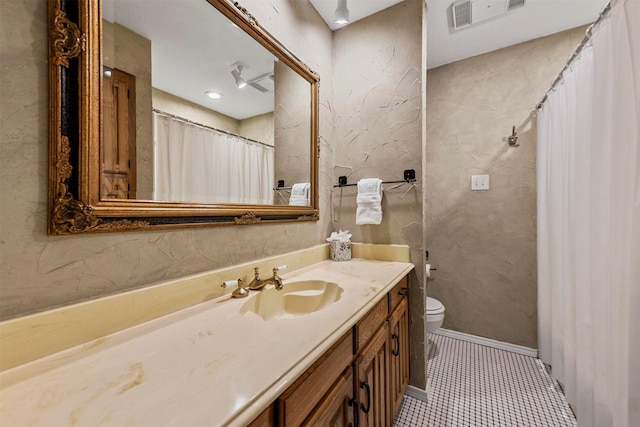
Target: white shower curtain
<point x="589" y="225"/>
<point x="197" y="164"/>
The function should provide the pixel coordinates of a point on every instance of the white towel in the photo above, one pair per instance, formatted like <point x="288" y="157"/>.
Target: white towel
<point x="300" y="194"/>
<point x="369" y="201"/>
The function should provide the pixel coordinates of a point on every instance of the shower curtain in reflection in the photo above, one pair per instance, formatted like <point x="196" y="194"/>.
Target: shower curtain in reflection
<point x="589" y="225"/>
<point x="197" y="164"/>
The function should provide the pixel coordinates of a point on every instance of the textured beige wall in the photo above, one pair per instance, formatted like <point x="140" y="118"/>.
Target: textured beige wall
<point x="483" y="243"/>
<point x="39" y="272"/>
<point x="259" y="128"/>
<point x="292" y="124"/>
<point x="377" y="94"/>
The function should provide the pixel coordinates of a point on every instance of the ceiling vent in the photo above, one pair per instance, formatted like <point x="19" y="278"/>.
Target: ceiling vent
<point x="461" y="13"/>
<point x="470" y="12"/>
<point x="263" y="83"/>
<point x="513" y="4"/>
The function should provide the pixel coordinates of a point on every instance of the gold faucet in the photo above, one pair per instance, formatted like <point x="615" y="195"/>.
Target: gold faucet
<point x="257" y="283"/>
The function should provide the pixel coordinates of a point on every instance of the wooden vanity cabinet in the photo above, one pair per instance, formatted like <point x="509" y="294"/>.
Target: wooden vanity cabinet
<point x="367" y="369"/>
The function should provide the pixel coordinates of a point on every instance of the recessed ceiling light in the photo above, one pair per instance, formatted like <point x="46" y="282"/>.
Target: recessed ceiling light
<point x="213" y="95"/>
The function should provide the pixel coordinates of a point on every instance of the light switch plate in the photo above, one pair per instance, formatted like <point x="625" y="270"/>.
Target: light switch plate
<point x="479" y="182"/>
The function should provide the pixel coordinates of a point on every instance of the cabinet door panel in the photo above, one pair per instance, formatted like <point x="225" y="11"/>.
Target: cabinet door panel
<point x="335" y="410"/>
<point x="399" y="354"/>
<point x="372" y="368"/>
<point x="306" y="392"/>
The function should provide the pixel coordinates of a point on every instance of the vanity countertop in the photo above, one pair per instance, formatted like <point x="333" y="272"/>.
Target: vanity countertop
<point x="204" y="365"/>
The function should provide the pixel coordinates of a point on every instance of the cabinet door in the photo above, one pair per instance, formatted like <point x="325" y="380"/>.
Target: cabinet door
<point x="336" y="408"/>
<point x="398" y="355"/>
<point x="372" y="381"/>
<point x="307" y="392"/>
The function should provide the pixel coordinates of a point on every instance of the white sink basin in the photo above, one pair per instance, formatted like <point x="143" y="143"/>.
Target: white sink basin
<point x="295" y="299"/>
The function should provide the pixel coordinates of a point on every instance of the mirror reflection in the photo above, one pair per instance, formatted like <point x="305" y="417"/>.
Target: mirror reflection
<point x="195" y="110"/>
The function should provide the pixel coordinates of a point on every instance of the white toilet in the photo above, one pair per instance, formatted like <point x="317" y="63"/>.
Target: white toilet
<point x="435" y="314"/>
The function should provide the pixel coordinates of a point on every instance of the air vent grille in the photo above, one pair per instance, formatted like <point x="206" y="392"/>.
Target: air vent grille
<point x="513" y="4"/>
<point x="263" y="82"/>
<point x="462" y="13"/>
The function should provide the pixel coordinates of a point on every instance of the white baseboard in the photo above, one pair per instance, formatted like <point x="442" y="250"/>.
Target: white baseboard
<point x="527" y="351"/>
<point x="416" y="393"/>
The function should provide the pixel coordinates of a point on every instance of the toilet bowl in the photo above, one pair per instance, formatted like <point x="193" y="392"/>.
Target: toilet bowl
<point x="435" y="314"/>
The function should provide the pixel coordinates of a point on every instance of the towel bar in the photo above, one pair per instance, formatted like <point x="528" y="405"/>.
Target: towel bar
<point x="402" y="181"/>
<point x="409" y="176"/>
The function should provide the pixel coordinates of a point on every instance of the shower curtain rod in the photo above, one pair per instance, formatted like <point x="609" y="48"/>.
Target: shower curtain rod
<point x="191" y="122"/>
<point x="582" y="45"/>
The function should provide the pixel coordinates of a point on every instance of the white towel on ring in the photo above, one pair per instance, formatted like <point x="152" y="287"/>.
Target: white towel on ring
<point x="300" y="194"/>
<point x="369" y="201"/>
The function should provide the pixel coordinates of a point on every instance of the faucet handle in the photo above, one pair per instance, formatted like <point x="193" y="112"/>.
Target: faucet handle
<point x="240" y="291"/>
<point x="280" y="268"/>
<point x="277" y="279"/>
<point x="230" y="283"/>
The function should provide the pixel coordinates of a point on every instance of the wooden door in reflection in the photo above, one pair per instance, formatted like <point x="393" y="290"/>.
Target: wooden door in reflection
<point x="119" y="135"/>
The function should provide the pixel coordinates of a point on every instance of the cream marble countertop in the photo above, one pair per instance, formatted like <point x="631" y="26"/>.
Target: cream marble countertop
<point x="204" y="365"/>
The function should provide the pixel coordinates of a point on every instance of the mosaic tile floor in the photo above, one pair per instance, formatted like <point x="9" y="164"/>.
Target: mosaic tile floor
<point x="474" y="385"/>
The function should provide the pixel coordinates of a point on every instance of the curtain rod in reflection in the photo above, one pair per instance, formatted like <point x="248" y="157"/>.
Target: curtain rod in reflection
<point x="581" y="46"/>
<point x="191" y="122"/>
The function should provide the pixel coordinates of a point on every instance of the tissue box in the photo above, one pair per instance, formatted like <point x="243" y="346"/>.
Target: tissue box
<point x="340" y="251"/>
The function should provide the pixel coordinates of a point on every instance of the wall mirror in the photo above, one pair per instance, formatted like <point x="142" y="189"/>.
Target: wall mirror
<point x="175" y="114"/>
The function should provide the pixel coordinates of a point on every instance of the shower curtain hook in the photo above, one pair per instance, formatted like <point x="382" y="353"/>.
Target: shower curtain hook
<point x="513" y="139"/>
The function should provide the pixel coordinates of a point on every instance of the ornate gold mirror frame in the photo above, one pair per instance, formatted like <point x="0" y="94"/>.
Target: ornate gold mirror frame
<point x="75" y="97"/>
